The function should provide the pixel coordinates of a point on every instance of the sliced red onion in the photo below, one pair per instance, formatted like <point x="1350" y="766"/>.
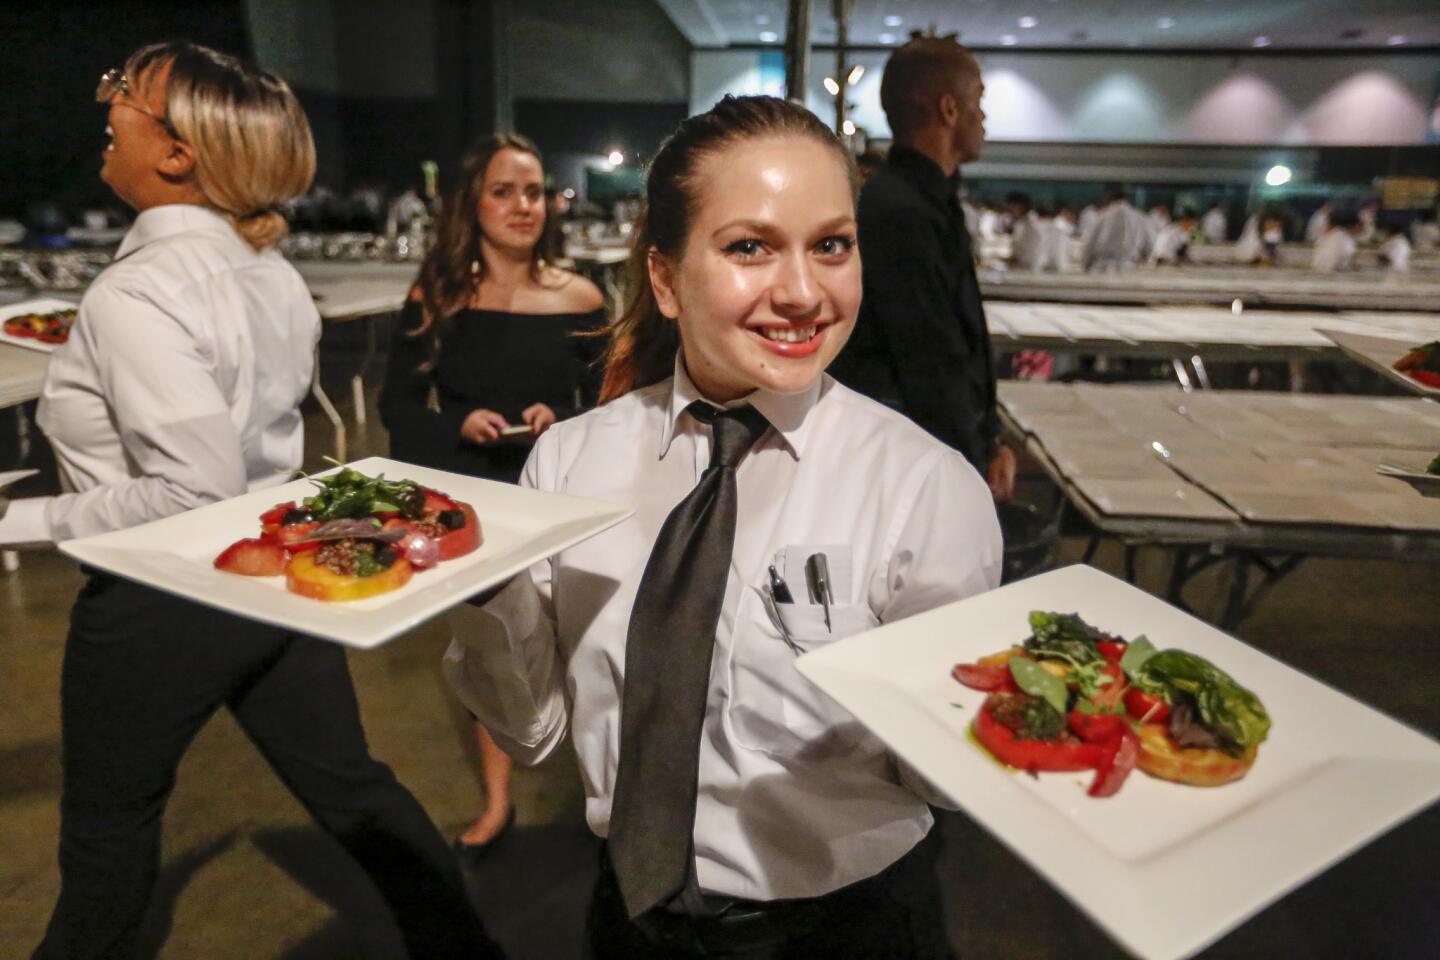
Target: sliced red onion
<point x="421" y="550"/>
<point x="357" y="529"/>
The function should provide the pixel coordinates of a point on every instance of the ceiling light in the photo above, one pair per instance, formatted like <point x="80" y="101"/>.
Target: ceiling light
<point x="768" y="36"/>
<point x="847" y="128"/>
<point x="856" y="74"/>
<point x="1395" y="41"/>
<point x="832" y="87"/>
<point x="761" y="20"/>
<point x="886" y="38"/>
<point x="1008" y="40"/>
<point x="616" y="158"/>
<point x="1260" y="42"/>
<point x="1165" y="23"/>
<point x="1027" y="22"/>
<point x="894" y="21"/>
<point x="1278" y="175"/>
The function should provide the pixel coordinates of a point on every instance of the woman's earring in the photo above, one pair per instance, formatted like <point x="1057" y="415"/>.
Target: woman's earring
<point x="474" y="268"/>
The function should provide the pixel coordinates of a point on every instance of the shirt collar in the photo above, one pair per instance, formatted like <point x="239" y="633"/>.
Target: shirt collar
<point x="925" y="173"/>
<point x="786" y="413"/>
<point x="157" y="223"/>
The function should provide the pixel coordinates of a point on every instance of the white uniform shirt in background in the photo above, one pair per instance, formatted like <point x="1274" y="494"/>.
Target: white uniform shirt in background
<point x="1120" y="239"/>
<point x="181" y="381"/>
<point x="1089" y="216"/>
<point x="1335" y="251"/>
<point x="796" y="798"/>
<point x="1168" y="243"/>
<point x="1316" y="226"/>
<point x="1215" y="226"/>
<point x="1248" y="248"/>
<point x="1396" y="252"/>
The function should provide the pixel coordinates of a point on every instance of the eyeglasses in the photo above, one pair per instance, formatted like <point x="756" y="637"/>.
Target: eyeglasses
<point x="113" y="82"/>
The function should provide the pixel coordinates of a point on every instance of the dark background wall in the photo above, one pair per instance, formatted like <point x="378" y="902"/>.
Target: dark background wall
<point x="51" y="55"/>
<point x="386" y="83"/>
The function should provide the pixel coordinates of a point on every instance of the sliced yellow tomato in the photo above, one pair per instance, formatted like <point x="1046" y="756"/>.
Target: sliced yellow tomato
<point x="310" y="579"/>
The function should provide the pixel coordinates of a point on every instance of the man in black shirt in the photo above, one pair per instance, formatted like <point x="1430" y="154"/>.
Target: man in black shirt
<point x="921" y="344"/>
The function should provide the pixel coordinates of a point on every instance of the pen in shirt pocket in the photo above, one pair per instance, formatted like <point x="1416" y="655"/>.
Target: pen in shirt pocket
<point x="778" y="588"/>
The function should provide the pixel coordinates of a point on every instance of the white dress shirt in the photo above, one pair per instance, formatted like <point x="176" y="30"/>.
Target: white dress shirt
<point x="1120" y="240"/>
<point x="1335" y="251"/>
<point x="1396" y="252"/>
<point x="1169" y="242"/>
<point x="180" y="384"/>
<point x="796" y="798"/>
<point x="1040" y="243"/>
<point x="1215" y="226"/>
<point x="1316" y="226"/>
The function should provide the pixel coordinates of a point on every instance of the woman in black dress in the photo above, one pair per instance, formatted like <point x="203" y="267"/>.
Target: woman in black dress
<point x="485" y="357"/>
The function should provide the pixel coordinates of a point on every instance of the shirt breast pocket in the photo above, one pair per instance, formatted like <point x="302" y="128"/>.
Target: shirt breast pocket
<point x="772" y="708"/>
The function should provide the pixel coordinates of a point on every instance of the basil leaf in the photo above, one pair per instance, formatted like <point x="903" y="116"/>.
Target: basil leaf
<point x="1136" y="653"/>
<point x="1039" y="682"/>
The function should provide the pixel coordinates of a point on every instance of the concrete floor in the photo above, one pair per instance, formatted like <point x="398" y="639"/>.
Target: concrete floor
<point x="247" y="876"/>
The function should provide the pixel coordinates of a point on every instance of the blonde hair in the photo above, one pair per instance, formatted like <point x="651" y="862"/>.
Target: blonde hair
<point x="252" y="141"/>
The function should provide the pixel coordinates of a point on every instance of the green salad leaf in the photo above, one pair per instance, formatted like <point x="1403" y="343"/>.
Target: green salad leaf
<point x="1039" y="682"/>
<point x="1063" y="636"/>
<point x="1434" y="466"/>
<point x="1137" y="652"/>
<point x="1235" y="715"/>
<point x="350" y="494"/>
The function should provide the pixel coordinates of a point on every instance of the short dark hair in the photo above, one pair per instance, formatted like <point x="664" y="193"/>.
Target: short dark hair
<point x="916" y="75"/>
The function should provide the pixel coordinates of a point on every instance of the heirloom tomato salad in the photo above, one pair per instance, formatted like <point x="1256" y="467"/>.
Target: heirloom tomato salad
<point x="357" y="537"/>
<point x="1074" y="698"/>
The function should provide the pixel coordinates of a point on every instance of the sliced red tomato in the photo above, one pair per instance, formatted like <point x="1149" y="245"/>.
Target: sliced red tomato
<point x="1095" y="727"/>
<point x="276" y="514"/>
<point x="310" y="579"/>
<point x="1117" y="758"/>
<point x="252" y="558"/>
<point x="990" y="679"/>
<point x="1146" y="707"/>
<point x="464" y="539"/>
<point x="435" y="501"/>
<point x="289" y="536"/>
<point x="1111" y="650"/>
<point x="1033" y="756"/>
<point x="1427" y="377"/>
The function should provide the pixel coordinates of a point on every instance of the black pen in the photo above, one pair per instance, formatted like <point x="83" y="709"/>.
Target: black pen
<point x="817" y="574"/>
<point x="778" y="589"/>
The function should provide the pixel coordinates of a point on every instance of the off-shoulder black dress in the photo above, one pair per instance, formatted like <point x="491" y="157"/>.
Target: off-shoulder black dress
<point x="488" y="358"/>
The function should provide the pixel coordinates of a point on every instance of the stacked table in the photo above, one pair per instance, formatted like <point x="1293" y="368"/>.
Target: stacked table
<point x="1252" y="285"/>
<point x="1247" y="475"/>
<point x="1217" y="334"/>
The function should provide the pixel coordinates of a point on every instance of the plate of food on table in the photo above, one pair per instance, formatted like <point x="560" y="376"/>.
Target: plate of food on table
<point x="357" y="554"/>
<point x="1426" y="481"/>
<point x="1169" y="779"/>
<point x="37" y="324"/>
<point x="1410" y="363"/>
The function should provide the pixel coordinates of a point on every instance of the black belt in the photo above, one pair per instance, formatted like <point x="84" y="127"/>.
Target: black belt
<point x="751" y="924"/>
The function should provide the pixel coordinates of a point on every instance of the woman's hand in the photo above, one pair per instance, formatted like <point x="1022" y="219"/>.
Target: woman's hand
<point x="539" y="417"/>
<point x="1001" y="475"/>
<point x="483" y="426"/>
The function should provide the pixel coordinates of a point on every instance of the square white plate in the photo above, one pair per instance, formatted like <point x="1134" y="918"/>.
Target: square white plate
<point x="43" y="305"/>
<point x="1380" y="354"/>
<point x="1166" y="869"/>
<point x="177" y="554"/>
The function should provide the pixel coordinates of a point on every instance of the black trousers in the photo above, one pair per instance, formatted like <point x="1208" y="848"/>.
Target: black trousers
<point x="895" y="915"/>
<point x="143" y="673"/>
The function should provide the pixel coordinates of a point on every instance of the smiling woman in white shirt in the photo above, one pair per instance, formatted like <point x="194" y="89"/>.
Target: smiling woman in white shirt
<point x="745" y="812"/>
<point x="181" y="386"/>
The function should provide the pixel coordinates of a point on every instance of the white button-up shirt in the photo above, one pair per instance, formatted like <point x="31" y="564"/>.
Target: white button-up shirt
<point x="1335" y="251"/>
<point x="180" y="384"/>
<point x="796" y="799"/>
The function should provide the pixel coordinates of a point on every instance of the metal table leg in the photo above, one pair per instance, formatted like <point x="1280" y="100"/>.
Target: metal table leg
<point x="357" y="382"/>
<point x="331" y="414"/>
